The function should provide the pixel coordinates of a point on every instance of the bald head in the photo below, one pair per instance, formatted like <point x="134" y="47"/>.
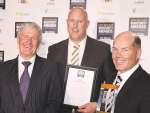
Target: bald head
<point x="135" y="39"/>
<point x="77" y="24"/>
<point x="78" y="9"/>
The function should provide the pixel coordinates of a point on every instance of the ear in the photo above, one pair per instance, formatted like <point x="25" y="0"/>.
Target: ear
<point x="139" y="52"/>
<point x="38" y="45"/>
<point x="87" y="25"/>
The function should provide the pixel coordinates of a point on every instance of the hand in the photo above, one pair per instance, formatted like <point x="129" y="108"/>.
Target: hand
<point x="88" y="108"/>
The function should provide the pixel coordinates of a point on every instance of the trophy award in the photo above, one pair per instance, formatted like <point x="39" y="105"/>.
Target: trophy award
<point x="107" y="97"/>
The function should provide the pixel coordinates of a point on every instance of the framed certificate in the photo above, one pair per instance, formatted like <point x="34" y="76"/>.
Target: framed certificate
<point x="79" y="85"/>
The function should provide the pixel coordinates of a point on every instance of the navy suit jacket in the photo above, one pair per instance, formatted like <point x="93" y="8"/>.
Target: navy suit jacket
<point x="97" y="54"/>
<point x="44" y="92"/>
<point x="134" y="96"/>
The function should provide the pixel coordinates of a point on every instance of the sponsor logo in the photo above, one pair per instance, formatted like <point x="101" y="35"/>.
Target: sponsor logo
<point x="22" y="14"/>
<point x="103" y="13"/>
<point x="50" y="10"/>
<point x="139" y="2"/>
<point x="1" y="43"/>
<point x="0" y="31"/>
<point x="51" y="2"/>
<point x="106" y="0"/>
<point x="139" y="10"/>
<point x="22" y="1"/>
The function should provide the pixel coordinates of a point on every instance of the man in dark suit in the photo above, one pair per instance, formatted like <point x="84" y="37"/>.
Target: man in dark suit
<point x="29" y="83"/>
<point x="92" y="53"/>
<point x="134" y="88"/>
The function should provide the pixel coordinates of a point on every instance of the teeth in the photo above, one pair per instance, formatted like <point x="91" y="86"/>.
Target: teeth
<point x="119" y="61"/>
<point x="28" y="46"/>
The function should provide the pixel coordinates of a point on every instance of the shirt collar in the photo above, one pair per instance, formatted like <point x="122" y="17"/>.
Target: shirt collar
<point x="22" y="60"/>
<point x="82" y="43"/>
<point x="127" y="74"/>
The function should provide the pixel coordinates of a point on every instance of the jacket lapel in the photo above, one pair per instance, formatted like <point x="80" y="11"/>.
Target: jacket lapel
<point x="87" y="51"/>
<point x="35" y="75"/>
<point x="128" y="84"/>
<point x="14" y="78"/>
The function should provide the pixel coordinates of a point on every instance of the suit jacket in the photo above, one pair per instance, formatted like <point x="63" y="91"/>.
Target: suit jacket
<point x="134" y="96"/>
<point x="96" y="55"/>
<point x="44" y="92"/>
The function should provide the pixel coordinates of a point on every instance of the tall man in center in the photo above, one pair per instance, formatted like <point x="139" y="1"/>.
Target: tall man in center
<point x="92" y="53"/>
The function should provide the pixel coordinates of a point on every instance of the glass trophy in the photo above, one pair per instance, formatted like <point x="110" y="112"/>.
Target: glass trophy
<point x="107" y="97"/>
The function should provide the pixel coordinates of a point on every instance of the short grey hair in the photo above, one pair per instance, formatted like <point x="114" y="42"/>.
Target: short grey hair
<point x="30" y="25"/>
<point x="136" y="42"/>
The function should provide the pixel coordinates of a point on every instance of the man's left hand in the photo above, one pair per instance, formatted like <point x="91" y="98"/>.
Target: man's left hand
<point x="88" y="108"/>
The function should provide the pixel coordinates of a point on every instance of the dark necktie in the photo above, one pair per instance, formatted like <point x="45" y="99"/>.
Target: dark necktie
<point x="24" y="81"/>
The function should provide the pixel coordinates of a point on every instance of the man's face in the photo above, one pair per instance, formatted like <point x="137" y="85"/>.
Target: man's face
<point x="124" y="54"/>
<point x="28" y="43"/>
<point x="77" y="23"/>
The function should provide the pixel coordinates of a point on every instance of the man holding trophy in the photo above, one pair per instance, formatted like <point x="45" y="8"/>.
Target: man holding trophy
<point x="133" y="82"/>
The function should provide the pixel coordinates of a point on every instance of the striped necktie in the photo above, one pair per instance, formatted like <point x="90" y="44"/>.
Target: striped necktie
<point x="110" y="100"/>
<point x="75" y="55"/>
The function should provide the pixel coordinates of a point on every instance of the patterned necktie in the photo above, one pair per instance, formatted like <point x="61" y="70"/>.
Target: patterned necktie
<point x="119" y="80"/>
<point x="24" y="81"/>
<point x="110" y="99"/>
<point x="75" y="55"/>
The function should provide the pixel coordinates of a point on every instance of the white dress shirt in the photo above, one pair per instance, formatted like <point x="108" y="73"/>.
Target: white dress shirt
<point x="81" y="49"/>
<point x="21" y="67"/>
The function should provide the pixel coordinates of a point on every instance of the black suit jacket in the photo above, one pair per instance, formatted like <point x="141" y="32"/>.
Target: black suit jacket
<point x="44" y="92"/>
<point x="96" y="55"/>
<point x="134" y="96"/>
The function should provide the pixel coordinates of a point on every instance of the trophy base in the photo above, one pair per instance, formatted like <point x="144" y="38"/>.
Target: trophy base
<point x="101" y="112"/>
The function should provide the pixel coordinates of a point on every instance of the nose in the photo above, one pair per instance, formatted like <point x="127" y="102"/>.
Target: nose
<point x="119" y="54"/>
<point x="75" y="24"/>
<point x="29" y="40"/>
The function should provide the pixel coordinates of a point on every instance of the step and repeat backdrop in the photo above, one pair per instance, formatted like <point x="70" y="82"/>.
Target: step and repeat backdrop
<point x="107" y="18"/>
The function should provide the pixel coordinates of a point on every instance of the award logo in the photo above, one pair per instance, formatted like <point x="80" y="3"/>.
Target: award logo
<point x="77" y="3"/>
<point x="17" y="25"/>
<point x="2" y="4"/>
<point x="105" y="30"/>
<point x="81" y="73"/>
<point x="1" y="56"/>
<point x="50" y="25"/>
<point x="22" y="1"/>
<point x="139" y="26"/>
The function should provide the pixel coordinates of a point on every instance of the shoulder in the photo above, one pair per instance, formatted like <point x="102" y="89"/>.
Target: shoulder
<point x="59" y="44"/>
<point x="98" y="43"/>
<point x="46" y="62"/>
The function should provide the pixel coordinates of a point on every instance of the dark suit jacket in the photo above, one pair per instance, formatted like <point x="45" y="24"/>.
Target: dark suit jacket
<point x="96" y="55"/>
<point x="134" y="96"/>
<point x="44" y="92"/>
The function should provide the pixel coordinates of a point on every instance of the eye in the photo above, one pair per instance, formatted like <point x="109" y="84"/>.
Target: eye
<point x="34" y="38"/>
<point x="125" y="50"/>
<point x="114" y="50"/>
<point x="71" y="20"/>
<point x="79" y="21"/>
